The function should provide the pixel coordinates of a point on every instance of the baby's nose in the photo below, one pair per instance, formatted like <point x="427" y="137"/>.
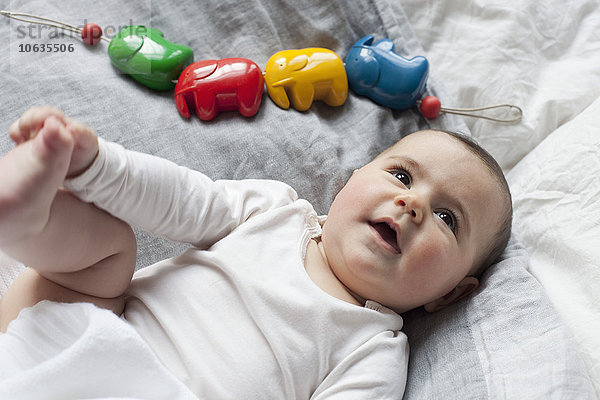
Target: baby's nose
<point x="412" y="206"/>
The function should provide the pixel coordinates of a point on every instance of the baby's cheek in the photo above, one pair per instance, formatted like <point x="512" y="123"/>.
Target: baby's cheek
<point x="354" y="200"/>
<point x="356" y="190"/>
<point x="431" y="255"/>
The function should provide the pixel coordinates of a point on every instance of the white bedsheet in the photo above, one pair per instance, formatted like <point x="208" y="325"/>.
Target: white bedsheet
<point x="545" y="57"/>
<point x="556" y="191"/>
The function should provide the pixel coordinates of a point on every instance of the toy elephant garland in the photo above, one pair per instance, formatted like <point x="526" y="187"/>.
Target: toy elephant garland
<point x="296" y="77"/>
<point x="299" y="77"/>
<point x="292" y="77"/>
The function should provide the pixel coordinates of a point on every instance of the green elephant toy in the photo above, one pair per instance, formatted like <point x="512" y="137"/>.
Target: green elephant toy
<point x="306" y="75"/>
<point x="148" y="57"/>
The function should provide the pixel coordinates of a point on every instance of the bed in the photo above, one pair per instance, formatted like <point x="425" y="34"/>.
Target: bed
<point x="531" y="330"/>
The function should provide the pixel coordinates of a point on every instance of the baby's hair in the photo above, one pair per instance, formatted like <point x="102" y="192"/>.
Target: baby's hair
<point x="500" y="240"/>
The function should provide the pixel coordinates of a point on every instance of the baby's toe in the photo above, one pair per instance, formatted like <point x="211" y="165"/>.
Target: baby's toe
<point x="54" y="140"/>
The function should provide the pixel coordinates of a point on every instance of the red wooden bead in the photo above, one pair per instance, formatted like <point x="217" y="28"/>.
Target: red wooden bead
<point x="91" y="33"/>
<point x="430" y="107"/>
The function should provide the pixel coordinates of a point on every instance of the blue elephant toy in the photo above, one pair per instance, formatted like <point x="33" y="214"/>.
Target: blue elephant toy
<point x="375" y="71"/>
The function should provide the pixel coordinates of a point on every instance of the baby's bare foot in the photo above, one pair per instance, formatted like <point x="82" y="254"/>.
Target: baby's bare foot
<point x="84" y="138"/>
<point x="31" y="175"/>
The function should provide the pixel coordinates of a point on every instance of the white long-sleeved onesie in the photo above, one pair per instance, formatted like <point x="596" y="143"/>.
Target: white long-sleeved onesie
<point x="237" y="316"/>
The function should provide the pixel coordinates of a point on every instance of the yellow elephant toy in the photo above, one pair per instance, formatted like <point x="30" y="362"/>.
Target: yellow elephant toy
<point x="306" y="75"/>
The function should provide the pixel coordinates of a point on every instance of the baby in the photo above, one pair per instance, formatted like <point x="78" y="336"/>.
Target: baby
<point x="268" y="289"/>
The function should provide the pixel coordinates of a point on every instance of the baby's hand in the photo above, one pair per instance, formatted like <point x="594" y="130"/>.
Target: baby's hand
<point x="85" y="139"/>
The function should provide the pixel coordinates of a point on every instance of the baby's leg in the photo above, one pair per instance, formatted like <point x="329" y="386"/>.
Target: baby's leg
<point x="76" y="251"/>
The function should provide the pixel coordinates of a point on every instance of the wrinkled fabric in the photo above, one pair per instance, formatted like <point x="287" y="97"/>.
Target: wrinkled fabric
<point x="556" y="192"/>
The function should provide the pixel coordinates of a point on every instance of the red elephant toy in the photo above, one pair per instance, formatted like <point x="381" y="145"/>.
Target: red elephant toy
<point x="212" y="86"/>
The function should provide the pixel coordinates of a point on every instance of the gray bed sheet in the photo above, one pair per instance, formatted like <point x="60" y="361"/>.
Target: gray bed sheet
<point x="504" y="342"/>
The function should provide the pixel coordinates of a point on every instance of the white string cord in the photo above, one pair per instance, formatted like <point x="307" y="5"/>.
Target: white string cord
<point x="470" y="112"/>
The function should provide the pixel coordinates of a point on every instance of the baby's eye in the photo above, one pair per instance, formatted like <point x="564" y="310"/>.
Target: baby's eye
<point x="403" y="177"/>
<point x="448" y="218"/>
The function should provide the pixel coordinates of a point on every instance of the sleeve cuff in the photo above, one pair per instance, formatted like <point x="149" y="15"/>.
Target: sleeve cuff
<point x="80" y="182"/>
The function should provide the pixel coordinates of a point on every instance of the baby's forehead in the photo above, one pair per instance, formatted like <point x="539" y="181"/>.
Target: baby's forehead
<point x="426" y="134"/>
<point x="430" y="143"/>
<point x="434" y="142"/>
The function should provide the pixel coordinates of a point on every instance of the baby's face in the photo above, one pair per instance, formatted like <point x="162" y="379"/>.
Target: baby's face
<point x="411" y="224"/>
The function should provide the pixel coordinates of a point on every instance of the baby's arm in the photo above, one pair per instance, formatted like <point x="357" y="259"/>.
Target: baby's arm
<point x="167" y="200"/>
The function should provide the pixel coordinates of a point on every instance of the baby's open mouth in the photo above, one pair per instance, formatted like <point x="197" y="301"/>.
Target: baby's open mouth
<point x="388" y="234"/>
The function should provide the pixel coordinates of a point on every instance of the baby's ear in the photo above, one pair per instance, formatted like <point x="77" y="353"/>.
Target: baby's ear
<point x="464" y="288"/>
